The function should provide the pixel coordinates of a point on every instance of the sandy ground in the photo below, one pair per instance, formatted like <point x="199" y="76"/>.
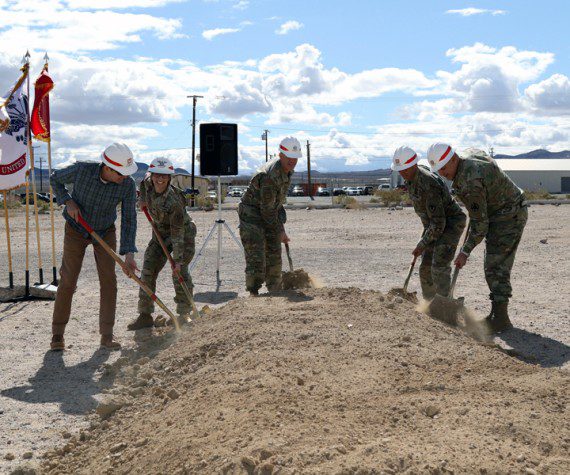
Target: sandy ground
<point x="45" y="397"/>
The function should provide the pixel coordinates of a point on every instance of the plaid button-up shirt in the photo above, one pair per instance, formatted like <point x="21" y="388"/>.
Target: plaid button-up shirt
<point x="98" y="201"/>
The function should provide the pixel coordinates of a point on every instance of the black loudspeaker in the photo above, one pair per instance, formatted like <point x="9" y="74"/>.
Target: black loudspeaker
<point x="218" y="149"/>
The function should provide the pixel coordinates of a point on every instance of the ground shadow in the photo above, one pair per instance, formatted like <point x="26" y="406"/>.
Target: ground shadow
<point x="537" y="349"/>
<point x="215" y="297"/>
<point x="72" y="387"/>
<point x="16" y="307"/>
<point x="291" y="295"/>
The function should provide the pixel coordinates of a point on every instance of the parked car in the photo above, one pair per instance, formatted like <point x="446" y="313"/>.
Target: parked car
<point x="338" y="191"/>
<point x="189" y="191"/>
<point x="352" y="191"/>
<point x="384" y="187"/>
<point x="41" y="197"/>
<point x="360" y="190"/>
<point x="368" y="190"/>
<point x="213" y="194"/>
<point x="236" y="192"/>
<point x="298" y="191"/>
<point x="323" y="191"/>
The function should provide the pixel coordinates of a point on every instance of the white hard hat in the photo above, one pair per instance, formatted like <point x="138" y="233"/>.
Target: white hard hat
<point x="290" y="147"/>
<point x="438" y="155"/>
<point x="120" y="158"/>
<point x="404" y="157"/>
<point x="161" y="165"/>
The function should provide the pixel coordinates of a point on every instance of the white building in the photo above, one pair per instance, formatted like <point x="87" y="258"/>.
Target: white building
<point x="534" y="174"/>
<point x="552" y="175"/>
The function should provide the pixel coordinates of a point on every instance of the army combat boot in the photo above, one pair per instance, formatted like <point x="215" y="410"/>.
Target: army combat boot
<point x="144" y="320"/>
<point x="498" y="319"/>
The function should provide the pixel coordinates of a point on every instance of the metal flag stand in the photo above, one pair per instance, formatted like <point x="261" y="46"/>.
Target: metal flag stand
<point x="218" y="225"/>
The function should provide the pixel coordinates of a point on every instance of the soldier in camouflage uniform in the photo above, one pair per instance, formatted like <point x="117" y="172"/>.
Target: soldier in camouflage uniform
<point x="498" y="214"/>
<point x="167" y="206"/>
<point x="262" y="218"/>
<point x="442" y="219"/>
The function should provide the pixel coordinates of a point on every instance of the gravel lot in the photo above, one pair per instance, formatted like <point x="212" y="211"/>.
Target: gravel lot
<point x="43" y="396"/>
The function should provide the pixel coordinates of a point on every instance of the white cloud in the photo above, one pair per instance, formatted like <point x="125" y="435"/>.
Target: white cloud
<point x="118" y="4"/>
<point x="475" y="11"/>
<point x="551" y="96"/>
<point x="211" y="34"/>
<point x="58" y="28"/>
<point x="241" y="5"/>
<point x="288" y="26"/>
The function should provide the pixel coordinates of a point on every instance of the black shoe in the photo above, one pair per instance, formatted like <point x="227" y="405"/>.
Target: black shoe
<point x="499" y="321"/>
<point x="254" y="293"/>
<point x="144" y="320"/>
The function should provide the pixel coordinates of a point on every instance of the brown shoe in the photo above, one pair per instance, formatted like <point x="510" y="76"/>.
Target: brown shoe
<point x="57" y="343"/>
<point x="109" y="343"/>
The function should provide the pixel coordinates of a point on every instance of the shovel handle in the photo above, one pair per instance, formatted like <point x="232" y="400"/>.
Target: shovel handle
<point x="289" y="256"/>
<point x="412" y="265"/>
<point x="453" y="281"/>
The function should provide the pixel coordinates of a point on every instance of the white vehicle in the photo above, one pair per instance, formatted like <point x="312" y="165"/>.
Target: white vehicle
<point x="384" y="186"/>
<point x="236" y="192"/>
<point x="352" y="191"/>
<point x="360" y="190"/>
<point x="213" y="194"/>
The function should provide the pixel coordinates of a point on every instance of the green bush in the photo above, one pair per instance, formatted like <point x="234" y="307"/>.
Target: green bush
<point x="205" y="202"/>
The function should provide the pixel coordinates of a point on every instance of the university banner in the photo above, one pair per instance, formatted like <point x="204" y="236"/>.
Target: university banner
<point x="40" y="113"/>
<point x="13" y="138"/>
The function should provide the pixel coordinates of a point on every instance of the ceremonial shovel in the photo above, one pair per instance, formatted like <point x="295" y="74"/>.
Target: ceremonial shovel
<point x="172" y="263"/>
<point x="133" y="276"/>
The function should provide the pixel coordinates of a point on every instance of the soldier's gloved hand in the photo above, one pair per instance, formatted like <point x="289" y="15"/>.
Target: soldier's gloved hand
<point x="461" y="260"/>
<point x="284" y="237"/>
<point x="418" y="251"/>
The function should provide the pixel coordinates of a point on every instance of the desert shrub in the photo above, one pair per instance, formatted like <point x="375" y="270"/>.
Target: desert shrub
<point x="392" y="196"/>
<point x="348" y="202"/>
<point x="538" y="195"/>
<point x="43" y="207"/>
<point x="205" y="202"/>
<point x="374" y="200"/>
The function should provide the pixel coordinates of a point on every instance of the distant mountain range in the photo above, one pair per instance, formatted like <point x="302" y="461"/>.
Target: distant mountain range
<point x="538" y="154"/>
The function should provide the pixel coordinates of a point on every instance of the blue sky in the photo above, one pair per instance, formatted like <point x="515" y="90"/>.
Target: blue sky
<point x="357" y="78"/>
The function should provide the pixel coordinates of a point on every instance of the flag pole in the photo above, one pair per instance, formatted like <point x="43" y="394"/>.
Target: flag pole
<point x="51" y="211"/>
<point x="7" y="219"/>
<point x="33" y="170"/>
<point x="27" y="234"/>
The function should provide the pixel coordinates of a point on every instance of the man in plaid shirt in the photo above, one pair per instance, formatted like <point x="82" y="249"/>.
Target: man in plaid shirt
<point x="97" y="190"/>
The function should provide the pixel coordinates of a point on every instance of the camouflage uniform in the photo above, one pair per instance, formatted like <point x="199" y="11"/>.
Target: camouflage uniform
<point x="261" y="220"/>
<point x="168" y="210"/>
<point x="497" y="212"/>
<point x="443" y="222"/>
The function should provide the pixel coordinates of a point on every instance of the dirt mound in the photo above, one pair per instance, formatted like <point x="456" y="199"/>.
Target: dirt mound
<point x="327" y="381"/>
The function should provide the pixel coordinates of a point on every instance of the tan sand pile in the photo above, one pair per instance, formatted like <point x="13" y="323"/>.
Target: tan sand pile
<point x="336" y="381"/>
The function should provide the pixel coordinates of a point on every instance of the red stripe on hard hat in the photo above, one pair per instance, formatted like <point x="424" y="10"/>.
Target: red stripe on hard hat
<point x="152" y="166"/>
<point x="411" y="159"/>
<point x="445" y="154"/>
<point x="111" y="161"/>
<point x="283" y="148"/>
<point x="171" y="168"/>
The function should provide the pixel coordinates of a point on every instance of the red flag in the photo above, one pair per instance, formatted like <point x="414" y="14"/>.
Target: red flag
<point x="39" y="121"/>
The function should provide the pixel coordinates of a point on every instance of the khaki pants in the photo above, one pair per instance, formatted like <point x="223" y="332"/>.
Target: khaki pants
<point x="74" y="246"/>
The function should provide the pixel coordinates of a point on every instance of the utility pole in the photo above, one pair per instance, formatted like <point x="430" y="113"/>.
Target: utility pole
<point x="194" y="100"/>
<point x="492" y="152"/>
<point x="265" y="136"/>
<point x="309" y="170"/>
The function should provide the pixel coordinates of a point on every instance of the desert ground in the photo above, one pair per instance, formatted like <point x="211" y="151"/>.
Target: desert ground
<point x="340" y="379"/>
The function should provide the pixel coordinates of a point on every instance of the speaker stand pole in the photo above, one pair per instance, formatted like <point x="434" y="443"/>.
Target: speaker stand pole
<point x="218" y="226"/>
